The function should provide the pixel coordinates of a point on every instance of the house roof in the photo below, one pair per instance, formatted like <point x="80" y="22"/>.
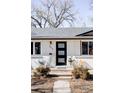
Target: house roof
<point x="89" y="33"/>
<point x="59" y="32"/>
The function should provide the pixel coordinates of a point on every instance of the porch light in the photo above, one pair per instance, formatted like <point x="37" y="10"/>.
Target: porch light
<point x="50" y="42"/>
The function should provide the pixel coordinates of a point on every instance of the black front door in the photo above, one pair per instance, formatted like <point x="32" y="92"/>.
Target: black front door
<point x="61" y="53"/>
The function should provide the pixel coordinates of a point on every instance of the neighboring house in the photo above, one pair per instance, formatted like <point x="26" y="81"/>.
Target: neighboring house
<point x="54" y="46"/>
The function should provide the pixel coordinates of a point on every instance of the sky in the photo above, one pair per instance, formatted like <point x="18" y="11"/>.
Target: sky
<point x="83" y="9"/>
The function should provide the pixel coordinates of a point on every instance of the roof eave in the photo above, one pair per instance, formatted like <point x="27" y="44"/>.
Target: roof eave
<point x="61" y="38"/>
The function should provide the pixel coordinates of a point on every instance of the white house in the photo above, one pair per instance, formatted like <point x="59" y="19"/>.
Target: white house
<point x="54" y="46"/>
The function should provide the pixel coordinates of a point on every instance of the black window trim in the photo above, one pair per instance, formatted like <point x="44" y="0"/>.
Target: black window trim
<point x="34" y="54"/>
<point x="87" y="47"/>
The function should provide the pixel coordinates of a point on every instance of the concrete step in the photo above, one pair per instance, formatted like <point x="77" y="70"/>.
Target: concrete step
<point x="61" y="71"/>
<point x="64" y="77"/>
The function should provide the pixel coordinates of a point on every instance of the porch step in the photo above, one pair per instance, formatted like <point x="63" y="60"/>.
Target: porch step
<point x="61" y="69"/>
<point x="63" y="77"/>
<point x="61" y="72"/>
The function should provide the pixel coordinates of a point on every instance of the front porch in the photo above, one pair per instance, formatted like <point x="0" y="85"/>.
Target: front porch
<point x="50" y="61"/>
<point x="64" y="72"/>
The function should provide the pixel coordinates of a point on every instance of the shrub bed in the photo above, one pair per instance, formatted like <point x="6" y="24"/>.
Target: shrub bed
<point x="80" y="72"/>
<point x="41" y="71"/>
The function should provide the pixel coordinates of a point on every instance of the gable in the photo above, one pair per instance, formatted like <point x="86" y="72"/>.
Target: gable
<point x="89" y="33"/>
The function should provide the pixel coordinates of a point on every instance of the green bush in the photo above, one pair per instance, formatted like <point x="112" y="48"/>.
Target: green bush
<point x="41" y="71"/>
<point x="80" y="72"/>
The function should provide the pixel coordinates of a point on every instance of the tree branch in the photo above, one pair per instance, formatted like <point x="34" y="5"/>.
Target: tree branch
<point x="37" y="21"/>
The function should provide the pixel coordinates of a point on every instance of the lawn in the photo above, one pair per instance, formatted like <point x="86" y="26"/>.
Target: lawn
<point x="42" y="85"/>
<point x="45" y="85"/>
<point x="81" y="86"/>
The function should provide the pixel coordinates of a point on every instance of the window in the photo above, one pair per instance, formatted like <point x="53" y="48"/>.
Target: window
<point x="87" y="48"/>
<point x="37" y="48"/>
<point x="61" y="45"/>
<point x="31" y="48"/>
<point x="90" y="48"/>
<point x="60" y="52"/>
<point x="61" y="60"/>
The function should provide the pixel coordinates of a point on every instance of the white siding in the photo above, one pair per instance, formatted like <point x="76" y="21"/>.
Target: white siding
<point x="73" y="49"/>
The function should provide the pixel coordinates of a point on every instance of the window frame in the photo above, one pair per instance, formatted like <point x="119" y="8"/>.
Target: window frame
<point x="81" y="49"/>
<point x="32" y="48"/>
<point x="34" y="54"/>
<point x="89" y="48"/>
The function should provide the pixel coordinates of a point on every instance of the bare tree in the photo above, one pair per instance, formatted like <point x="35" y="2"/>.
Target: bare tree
<point x="91" y="4"/>
<point x="53" y="13"/>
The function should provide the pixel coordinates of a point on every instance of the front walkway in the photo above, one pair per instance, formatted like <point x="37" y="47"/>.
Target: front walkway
<point x="61" y="86"/>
